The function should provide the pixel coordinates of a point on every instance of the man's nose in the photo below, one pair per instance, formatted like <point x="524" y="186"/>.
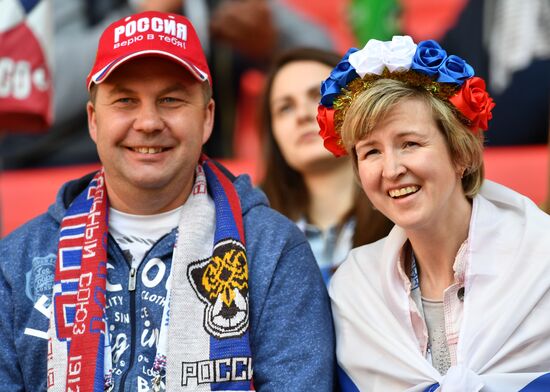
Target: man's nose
<point x="148" y="118"/>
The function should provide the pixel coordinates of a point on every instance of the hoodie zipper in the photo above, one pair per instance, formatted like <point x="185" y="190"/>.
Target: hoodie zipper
<point x="132" y="279"/>
<point x="132" y="282"/>
<point x="132" y="289"/>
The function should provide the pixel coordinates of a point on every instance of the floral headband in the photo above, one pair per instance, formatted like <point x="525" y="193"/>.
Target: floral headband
<point x="425" y="65"/>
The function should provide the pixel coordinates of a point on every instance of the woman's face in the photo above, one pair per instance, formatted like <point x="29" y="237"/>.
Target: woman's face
<point x="407" y="172"/>
<point x="295" y="95"/>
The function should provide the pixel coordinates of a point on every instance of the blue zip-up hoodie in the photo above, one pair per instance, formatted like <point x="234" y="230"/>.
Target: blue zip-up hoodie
<point x="291" y="331"/>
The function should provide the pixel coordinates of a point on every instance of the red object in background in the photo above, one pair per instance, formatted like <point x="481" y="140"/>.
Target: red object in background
<point x="247" y="139"/>
<point x="25" y="81"/>
<point x="332" y="15"/>
<point x="429" y="19"/>
<point x="522" y="168"/>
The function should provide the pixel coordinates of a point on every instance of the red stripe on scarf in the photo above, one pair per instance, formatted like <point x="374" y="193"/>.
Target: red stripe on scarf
<point x="232" y="197"/>
<point x="89" y="322"/>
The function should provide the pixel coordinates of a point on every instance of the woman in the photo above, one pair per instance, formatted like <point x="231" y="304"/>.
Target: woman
<point x="457" y="296"/>
<point x="303" y="180"/>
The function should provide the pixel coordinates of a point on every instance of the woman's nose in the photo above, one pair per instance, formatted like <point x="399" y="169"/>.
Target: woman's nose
<point x="393" y="167"/>
<point x="306" y="111"/>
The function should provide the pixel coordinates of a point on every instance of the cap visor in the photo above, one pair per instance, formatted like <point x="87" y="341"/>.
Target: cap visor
<point x="102" y="74"/>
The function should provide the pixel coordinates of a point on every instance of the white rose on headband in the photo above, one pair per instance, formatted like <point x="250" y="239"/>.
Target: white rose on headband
<point x="396" y="55"/>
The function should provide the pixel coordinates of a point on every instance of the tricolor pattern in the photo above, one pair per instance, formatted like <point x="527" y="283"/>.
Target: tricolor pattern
<point x="79" y="289"/>
<point x="424" y="65"/>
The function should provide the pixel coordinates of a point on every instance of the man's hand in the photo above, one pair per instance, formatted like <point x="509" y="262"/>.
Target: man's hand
<point x="246" y="25"/>
<point x="173" y="6"/>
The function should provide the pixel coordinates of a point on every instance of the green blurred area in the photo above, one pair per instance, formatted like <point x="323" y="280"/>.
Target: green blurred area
<point x="376" y="19"/>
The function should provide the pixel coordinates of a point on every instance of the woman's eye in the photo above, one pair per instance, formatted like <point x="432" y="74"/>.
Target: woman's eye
<point x="374" y="151"/>
<point x="410" y="144"/>
<point x="367" y="153"/>
<point x="284" y="109"/>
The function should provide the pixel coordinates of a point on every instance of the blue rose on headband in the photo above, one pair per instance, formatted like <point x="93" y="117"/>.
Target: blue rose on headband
<point x="428" y="57"/>
<point x="340" y="76"/>
<point x="455" y="70"/>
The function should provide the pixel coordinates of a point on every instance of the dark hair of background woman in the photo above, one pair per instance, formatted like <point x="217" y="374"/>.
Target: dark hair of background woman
<point x="284" y="186"/>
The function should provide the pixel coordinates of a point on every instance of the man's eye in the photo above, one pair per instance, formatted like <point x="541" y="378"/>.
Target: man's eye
<point x="124" y="100"/>
<point x="169" y="100"/>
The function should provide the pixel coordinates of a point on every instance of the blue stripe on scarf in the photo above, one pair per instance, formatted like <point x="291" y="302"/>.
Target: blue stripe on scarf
<point x="225" y="222"/>
<point x="541" y="384"/>
<point x="67" y="287"/>
<point x="226" y="228"/>
<point x="71" y="258"/>
<point x="82" y="204"/>
<point x="231" y="348"/>
<point x="70" y="312"/>
<point x="346" y="385"/>
<point x="73" y="231"/>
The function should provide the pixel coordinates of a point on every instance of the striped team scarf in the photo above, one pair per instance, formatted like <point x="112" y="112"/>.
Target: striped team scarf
<point x="207" y="296"/>
<point x="76" y="355"/>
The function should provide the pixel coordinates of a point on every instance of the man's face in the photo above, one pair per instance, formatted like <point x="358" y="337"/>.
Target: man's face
<point x="149" y="121"/>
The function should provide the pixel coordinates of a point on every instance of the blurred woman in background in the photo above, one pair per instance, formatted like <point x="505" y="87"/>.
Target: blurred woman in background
<point x="302" y="179"/>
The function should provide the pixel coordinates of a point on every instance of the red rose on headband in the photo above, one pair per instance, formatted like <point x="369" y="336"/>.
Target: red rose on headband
<point x="474" y="102"/>
<point x="331" y="141"/>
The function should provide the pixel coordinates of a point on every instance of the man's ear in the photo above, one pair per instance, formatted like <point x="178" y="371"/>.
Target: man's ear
<point x="208" y="120"/>
<point x="92" y="121"/>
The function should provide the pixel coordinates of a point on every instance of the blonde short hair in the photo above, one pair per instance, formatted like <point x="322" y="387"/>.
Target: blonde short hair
<point x="372" y="105"/>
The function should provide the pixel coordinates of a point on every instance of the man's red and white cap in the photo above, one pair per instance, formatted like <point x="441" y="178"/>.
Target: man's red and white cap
<point x="149" y="33"/>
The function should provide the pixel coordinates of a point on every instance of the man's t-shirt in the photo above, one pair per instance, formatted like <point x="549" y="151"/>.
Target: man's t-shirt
<point x="136" y="234"/>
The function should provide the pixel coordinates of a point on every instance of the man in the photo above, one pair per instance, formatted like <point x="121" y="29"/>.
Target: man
<point x="162" y="271"/>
